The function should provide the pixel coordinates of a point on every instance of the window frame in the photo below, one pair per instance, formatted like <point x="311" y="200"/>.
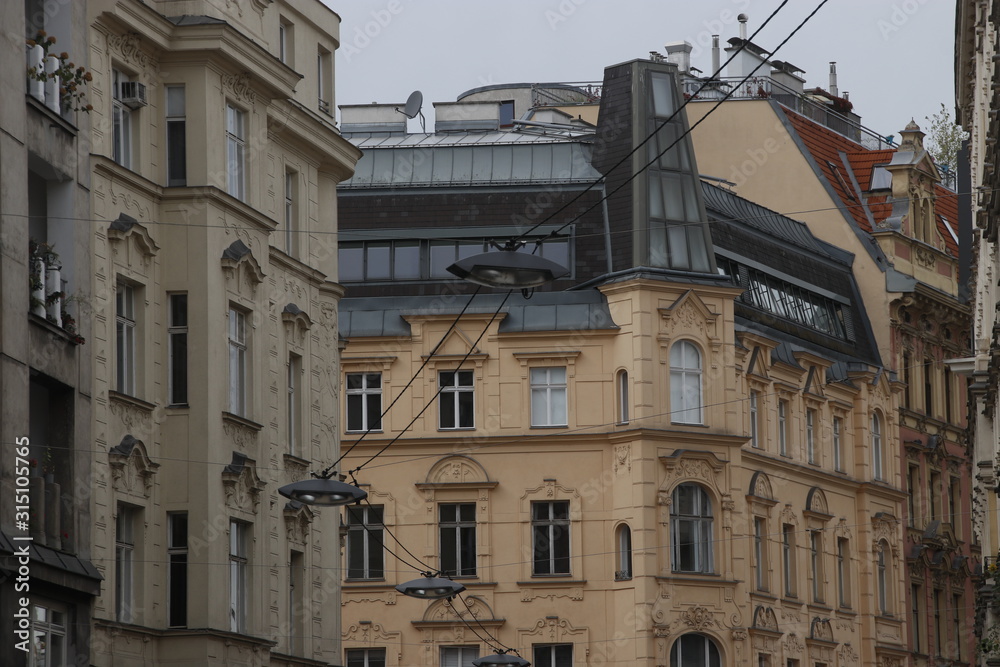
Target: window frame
<point x="126" y="326"/>
<point x="455" y="394"/>
<point x="783" y="427"/>
<point x="755" y="440"/>
<point x="293" y="405"/>
<point x="816" y="566"/>
<point x="239" y="575"/>
<point x="623" y="552"/>
<point x="702" y="525"/>
<point x="176" y="168"/>
<point x="843" y="573"/>
<point x="686" y="384"/>
<point x="551" y="393"/>
<point x="556" y="655"/>
<point x="125" y="562"/>
<point x="464" y="537"/>
<point x="459" y="660"/>
<point x="556" y="530"/>
<point x="177" y="559"/>
<point x="177" y="358"/>
<point x="121" y="121"/>
<point x="370" y="657"/>
<point x="838" y="444"/>
<point x="239" y="362"/>
<point x="291" y="211"/>
<point x="362" y="396"/>
<point x="622" y="390"/>
<point x="878" y="462"/>
<point x="811" y="436"/>
<point x="237" y="120"/>
<point x="712" y="655"/>
<point x="789" y="560"/>
<point x="761" y="565"/>
<point x="41" y="657"/>
<point x="360" y="521"/>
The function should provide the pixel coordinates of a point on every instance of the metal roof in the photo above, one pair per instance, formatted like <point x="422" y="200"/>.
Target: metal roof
<point x="584" y="310"/>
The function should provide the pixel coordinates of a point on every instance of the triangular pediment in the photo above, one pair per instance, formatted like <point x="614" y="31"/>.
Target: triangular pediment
<point x="687" y="305"/>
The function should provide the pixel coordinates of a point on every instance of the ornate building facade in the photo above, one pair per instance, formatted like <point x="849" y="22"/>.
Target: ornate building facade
<point x="215" y="163"/>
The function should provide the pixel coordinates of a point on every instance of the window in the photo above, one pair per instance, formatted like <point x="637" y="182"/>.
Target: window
<point x="811" y="436"/>
<point x="364" y="402"/>
<point x="816" y="564"/>
<point x="694" y="650"/>
<point x="365" y="657"/>
<point x="548" y="396"/>
<point x="843" y="572"/>
<point x="324" y="82"/>
<point x="876" y="446"/>
<point x="623" y="553"/>
<point x="177" y="339"/>
<point x="934" y="495"/>
<point x="550" y="537"/>
<point x="296" y="600"/>
<point x="125" y="326"/>
<point x="913" y="496"/>
<point x="907" y="361"/>
<point x="236" y="165"/>
<point x="691" y="533"/>
<point x="48" y="646"/>
<point x="124" y="563"/>
<point x="948" y="396"/>
<point x="788" y="569"/>
<point x="838" y="445"/>
<point x="176" y="136"/>
<point x="783" y="428"/>
<point x="763" y="660"/>
<point x="291" y="213"/>
<point x="364" y="542"/>
<point x="938" y="624"/>
<point x="177" y="574"/>
<point x="915" y="599"/>
<point x="623" y="400"/>
<point x="239" y="540"/>
<point x="929" y="388"/>
<point x="507" y="113"/>
<point x="755" y="419"/>
<point x="237" y="362"/>
<point x="883" y="578"/>
<point x="552" y="655"/>
<point x="286" y="42"/>
<point x="294" y="406"/>
<point x="456" y="404"/>
<point x="121" y="122"/>
<point x="685" y="383"/>
<point x="457" y="526"/>
<point x="954" y="505"/>
<point x="958" y="612"/>
<point x="760" y="553"/>
<point x="458" y="656"/>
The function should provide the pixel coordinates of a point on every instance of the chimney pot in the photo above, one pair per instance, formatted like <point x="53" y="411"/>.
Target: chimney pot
<point x="833" y="79"/>
<point x="715" y="56"/>
<point x="742" y="18"/>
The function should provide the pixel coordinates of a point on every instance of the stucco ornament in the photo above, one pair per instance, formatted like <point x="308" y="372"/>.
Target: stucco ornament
<point x="698" y="618"/>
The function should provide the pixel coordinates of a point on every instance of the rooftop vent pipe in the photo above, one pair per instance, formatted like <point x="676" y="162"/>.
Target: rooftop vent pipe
<point x="715" y="55"/>
<point x="833" y="79"/>
<point x="742" y="18"/>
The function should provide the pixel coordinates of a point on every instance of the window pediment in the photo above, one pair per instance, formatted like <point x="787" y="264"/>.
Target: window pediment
<point x="131" y="468"/>
<point x="457" y="471"/>
<point x="243" y="271"/>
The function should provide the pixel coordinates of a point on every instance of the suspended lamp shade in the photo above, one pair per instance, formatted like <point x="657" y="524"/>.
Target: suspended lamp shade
<point x="501" y="660"/>
<point x="508" y="269"/>
<point x="323" y="492"/>
<point x="430" y="588"/>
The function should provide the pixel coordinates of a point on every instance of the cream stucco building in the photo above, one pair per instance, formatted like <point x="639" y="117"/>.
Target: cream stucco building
<point x="214" y="162"/>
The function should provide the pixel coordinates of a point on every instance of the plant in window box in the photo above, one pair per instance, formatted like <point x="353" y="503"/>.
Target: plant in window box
<point x="58" y="69"/>
<point x="989" y="645"/>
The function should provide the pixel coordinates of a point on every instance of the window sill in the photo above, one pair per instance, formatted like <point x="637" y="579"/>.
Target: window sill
<point x="362" y="432"/>
<point x="444" y="429"/>
<point x="295" y="461"/>
<point x="549" y="426"/>
<point x="365" y="582"/>
<point x="242" y="421"/>
<point x="698" y="424"/>
<point x="552" y="579"/>
<point x="119" y="397"/>
<point x="59" y="121"/>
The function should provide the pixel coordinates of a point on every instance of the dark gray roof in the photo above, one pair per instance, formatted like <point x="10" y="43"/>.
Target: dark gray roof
<point x="91" y="578"/>
<point x="584" y="310"/>
<point x="728" y="206"/>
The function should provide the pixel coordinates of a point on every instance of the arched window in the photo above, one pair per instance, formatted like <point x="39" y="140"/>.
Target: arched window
<point x="694" y="650"/>
<point x="691" y="530"/>
<point x="685" y="383"/>
<point x="877" y="452"/>
<point x="623" y="401"/>
<point x="883" y="578"/>
<point x="623" y="553"/>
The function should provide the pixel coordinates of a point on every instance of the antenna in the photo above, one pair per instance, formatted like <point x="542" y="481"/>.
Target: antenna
<point x="412" y="108"/>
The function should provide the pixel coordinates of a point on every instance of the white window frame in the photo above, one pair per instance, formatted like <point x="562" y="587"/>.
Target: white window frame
<point x="783" y="427"/>
<point x="816" y="564"/>
<point x="125" y="338"/>
<point x="236" y="152"/>
<point x="121" y="122"/>
<point x="239" y="353"/>
<point x="239" y="566"/>
<point x="702" y="526"/>
<point x="788" y="560"/>
<point x="710" y="650"/>
<point x="548" y="396"/>
<point x="370" y="657"/>
<point x="43" y="650"/>
<point x="363" y="395"/>
<point x="546" y="655"/>
<point x="291" y="212"/>
<point x="125" y="521"/>
<point x="686" y="397"/>
<point x="458" y="656"/>
<point x="882" y="579"/>
<point x="454" y="393"/>
<point x="877" y="454"/>
<point x="760" y="554"/>
<point x="623" y="397"/>
<point x="176" y="114"/>
<point x="623" y="552"/>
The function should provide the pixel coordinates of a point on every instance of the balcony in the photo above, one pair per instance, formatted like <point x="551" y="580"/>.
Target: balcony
<point x="48" y="289"/>
<point x="53" y="80"/>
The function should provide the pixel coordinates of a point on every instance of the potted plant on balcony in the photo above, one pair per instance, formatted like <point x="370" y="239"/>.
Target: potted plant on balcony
<point x="61" y="79"/>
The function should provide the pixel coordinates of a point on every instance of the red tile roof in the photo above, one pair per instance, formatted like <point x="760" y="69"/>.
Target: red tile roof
<point x="826" y="146"/>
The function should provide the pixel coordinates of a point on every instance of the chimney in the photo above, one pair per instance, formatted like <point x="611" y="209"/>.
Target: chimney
<point x="679" y="53"/>
<point x="833" y="80"/>
<point x="742" y="18"/>
<point x="715" y="55"/>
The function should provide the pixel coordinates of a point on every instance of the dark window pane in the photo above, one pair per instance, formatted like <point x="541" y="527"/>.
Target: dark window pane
<point x="178" y="590"/>
<point x="178" y="310"/>
<point x="465" y="409"/>
<point x="374" y="412"/>
<point x="447" y="411"/>
<point x="378" y="266"/>
<point x="355" y="421"/>
<point x="406" y="263"/>
<point x="176" y="153"/>
<point x="178" y="368"/>
<point x="351" y="261"/>
<point x="449" y="555"/>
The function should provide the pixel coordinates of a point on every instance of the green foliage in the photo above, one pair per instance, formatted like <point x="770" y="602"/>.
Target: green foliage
<point x="72" y="79"/>
<point x="944" y="138"/>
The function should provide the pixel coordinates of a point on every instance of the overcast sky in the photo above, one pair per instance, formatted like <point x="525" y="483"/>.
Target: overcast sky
<point x="894" y="57"/>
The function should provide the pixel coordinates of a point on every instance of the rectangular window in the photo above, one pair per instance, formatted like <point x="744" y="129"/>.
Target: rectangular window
<point x="816" y="564"/>
<point x="285" y="41"/>
<point x="938" y="625"/>
<point x="364" y="402"/>
<point x="121" y="122"/>
<point x="548" y="397"/>
<point x="291" y="213"/>
<point x="236" y="137"/>
<point x="955" y="505"/>
<point x="237" y="362"/>
<point x="458" y="539"/>
<point x="177" y="574"/>
<point x="915" y="599"/>
<point x="788" y="559"/>
<point x="177" y="340"/>
<point x="176" y="136"/>
<point x="760" y="553"/>
<point x="239" y="540"/>
<point x="550" y="537"/>
<point x="552" y="655"/>
<point x="125" y="330"/>
<point x="929" y="388"/>
<point x="456" y="404"/>
<point x="948" y="396"/>
<point x="755" y="419"/>
<point x="838" y="445"/>
<point x="843" y="572"/>
<point x="811" y="436"/>
<point x="365" y="657"/>
<point x="912" y="493"/>
<point x="324" y="73"/>
<point x="48" y="646"/>
<point x="958" y="612"/>
<point x="296" y="600"/>
<point x="934" y="496"/>
<point x="294" y="405"/>
<point x="458" y="656"/>
<point x="364" y="542"/>
<point x="783" y="428"/>
<point x="124" y="563"/>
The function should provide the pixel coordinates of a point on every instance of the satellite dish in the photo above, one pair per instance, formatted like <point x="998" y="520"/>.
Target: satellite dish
<point x="413" y="104"/>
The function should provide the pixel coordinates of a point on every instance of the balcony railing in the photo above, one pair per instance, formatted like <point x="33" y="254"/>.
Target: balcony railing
<point x="48" y="289"/>
<point x="44" y="89"/>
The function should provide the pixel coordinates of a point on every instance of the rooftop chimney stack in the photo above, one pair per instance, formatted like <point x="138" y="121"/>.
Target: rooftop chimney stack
<point x="715" y="56"/>
<point x="833" y="80"/>
<point x="679" y="53"/>
<point x="742" y="18"/>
